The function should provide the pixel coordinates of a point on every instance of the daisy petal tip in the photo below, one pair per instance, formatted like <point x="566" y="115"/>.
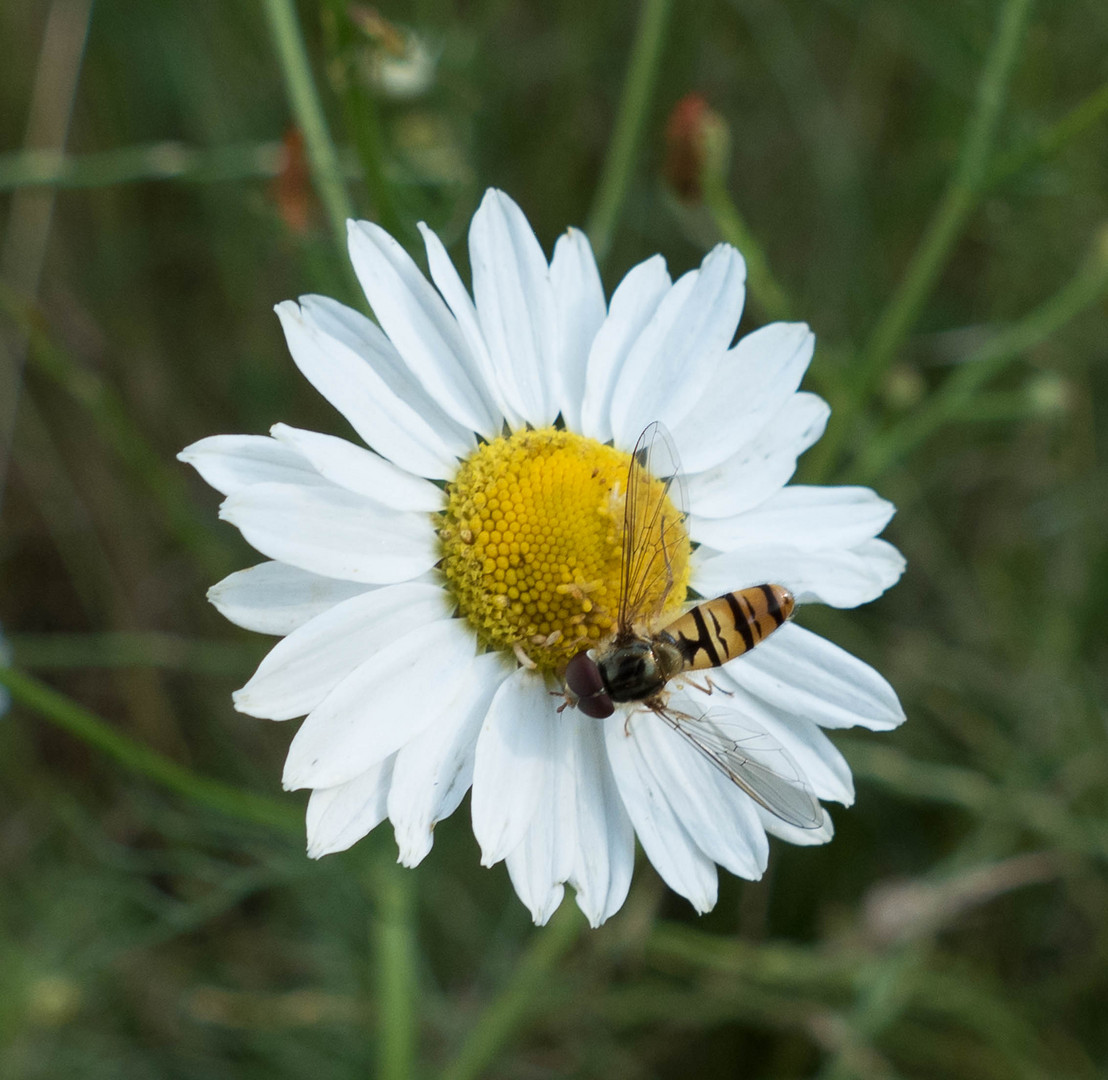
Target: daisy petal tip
<point x="293" y="778"/>
<point x="542" y="912"/>
<point x="702" y="904"/>
<point x="413" y="846"/>
<point x="594" y="913"/>
<point x="734" y="257"/>
<point x="290" y="310"/>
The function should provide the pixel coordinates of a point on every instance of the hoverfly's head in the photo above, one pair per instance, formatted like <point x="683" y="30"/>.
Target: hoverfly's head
<point x="584" y="681"/>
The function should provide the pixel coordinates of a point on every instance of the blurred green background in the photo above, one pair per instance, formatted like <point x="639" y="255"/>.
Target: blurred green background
<point x="925" y="184"/>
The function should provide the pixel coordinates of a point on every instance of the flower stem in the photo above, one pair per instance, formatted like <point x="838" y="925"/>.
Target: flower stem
<point x="90" y="729"/>
<point x="394" y="939"/>
<point x="765" y="290"/>
<point x="115" y="425"/>
<point x="958" y="394"/>
<point x="960" y="199"/>
<point x="958" y="202"/>
<point x="166" y="160"/>
<point x="638" y="89"/>
<point x="1082" y="116"/>
<point x="322" y="156"/>
<point x="363" y="120"/>
<point x="516" y="1000"/>
<point x="133" y="648"/>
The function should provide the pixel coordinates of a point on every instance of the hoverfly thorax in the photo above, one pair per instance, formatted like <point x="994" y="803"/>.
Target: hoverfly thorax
<point x="639" y="669"/>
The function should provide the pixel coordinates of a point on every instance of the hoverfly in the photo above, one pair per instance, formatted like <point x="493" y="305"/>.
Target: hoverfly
<point x="639" y="658"/>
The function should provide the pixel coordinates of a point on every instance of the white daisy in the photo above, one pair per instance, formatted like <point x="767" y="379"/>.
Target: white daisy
<point x="426" y="626"/>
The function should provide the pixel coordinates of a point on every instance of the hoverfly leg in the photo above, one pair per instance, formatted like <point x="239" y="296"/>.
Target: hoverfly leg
<point x="709" y="686"/>
<point x="712" y="686"/>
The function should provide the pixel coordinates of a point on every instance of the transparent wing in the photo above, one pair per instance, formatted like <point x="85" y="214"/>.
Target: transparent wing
<point x="655" y="508"/>
<point x="753" y="759"/>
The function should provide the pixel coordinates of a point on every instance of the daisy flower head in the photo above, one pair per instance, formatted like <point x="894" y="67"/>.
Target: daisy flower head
<point x="432" y="586"/>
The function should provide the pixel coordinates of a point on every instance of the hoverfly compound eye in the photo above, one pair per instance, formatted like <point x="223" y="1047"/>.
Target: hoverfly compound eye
<point x="584" y="681"/>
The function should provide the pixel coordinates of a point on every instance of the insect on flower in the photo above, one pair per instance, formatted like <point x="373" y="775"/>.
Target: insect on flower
<point x="639" y="658"/>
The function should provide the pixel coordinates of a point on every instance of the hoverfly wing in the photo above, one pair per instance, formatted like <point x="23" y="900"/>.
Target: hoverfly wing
<point x="655" y="507"/>
<point x="751" y="758"/>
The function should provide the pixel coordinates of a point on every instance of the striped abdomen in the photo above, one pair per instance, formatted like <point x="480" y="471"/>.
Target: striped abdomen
<point x="719" y="630"/>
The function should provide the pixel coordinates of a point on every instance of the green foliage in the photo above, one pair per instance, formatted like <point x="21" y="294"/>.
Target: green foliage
<point x="923" y="183"/>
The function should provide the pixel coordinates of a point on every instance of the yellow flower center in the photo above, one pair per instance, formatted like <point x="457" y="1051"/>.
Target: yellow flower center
<point x="532" y="544"/>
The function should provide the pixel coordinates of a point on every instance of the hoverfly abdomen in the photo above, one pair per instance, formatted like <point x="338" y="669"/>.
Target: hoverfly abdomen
<point x="584" y="681"/>
<point x="719" y="630"/>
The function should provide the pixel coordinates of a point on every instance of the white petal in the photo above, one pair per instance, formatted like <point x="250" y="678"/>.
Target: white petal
<point x="793" y="835"/>
<point x="232" y="462"/>
<point x="515" y="305"/>
<point x="543" y="860"/>
<point x="750" y="386"/>
<point x="383" y="704"/>
<point x="338" y="817"/>
<point x="435" y="770"/>
<point x="353" y="365"/>
<point x="514" y="752"/>
<point x="678" y="860"/>
<point x="680" y="348"/>
<point x="802" y="674"/>
<point x="306" y="666"/>
<point x="842" y="579"/>
<point x="528" y="875"/>
<point x="275" y="598"/>
<point x="717" y="815"/>
<point x="333" y="532"/>
<point x="605" y="853"/>
<point x="579" y="297"/>
<point x="764" y="464"/>
<point x="420" y="326"/>
<point x="633" y="305"/>
<point x="808" y="518"/>
<point x="449" y="284"/>
<point x="361" y="470"/>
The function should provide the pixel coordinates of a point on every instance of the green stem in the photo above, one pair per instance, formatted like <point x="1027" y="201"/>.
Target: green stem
<point x="958" y="394"/>
<point x="949" y="785"/>
<point x="114" y="423"/>
<point x="765" y="291"/>
<point x="90" y="729"/>
<point x="958" y="202"/>
<point x="960" y="199"/>
<point x="131" y="164"/>
<point x="322" y="156"/>
<point x="516" y="1001"/>
<point x="363" y="120"/>
<point x="140" y="648"/>
<point x="393" y="890"/>
<point x="1081" y="117"/>
<point x="638" y="89"/>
